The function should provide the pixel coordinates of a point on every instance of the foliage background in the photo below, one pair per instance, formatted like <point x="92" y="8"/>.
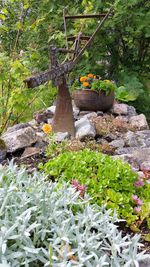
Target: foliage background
<point x="27" y="27"/>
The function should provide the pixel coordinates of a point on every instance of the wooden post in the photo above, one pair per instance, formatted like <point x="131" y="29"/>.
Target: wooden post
<point x="63" y="120"/>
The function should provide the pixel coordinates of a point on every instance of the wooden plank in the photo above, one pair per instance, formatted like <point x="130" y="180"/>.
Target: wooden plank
<point x="48" y="75"/>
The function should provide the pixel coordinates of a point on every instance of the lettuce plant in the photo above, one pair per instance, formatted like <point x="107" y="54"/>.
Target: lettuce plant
<point x="47" y="224"/>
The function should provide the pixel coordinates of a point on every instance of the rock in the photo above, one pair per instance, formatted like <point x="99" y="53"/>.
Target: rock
<point x="139" y="122"/>
<point x="43" y="116"/>
<point x="141" y="174"/>
<point x="120" y="109"/>
<point x="145" y="166"/>
<point x="17" y="127"/>
<point x="139" y="158"/>
<point x="117" y="143"/>
<point x="131" y="111"/>
<point x="50" y="121"/>
<point x="110" y="137"/>
<point x="3" y="150"/>
<point x="137" y="139"/>
<point x="52" y="109"/>
<point x="62" y="136"/>
<point x="129" y="159"/>
<point x="90" y="115"/>
<point x="84" y="112"/>
<point x="100" y="113"/>
<point x="32" y="123"/>
<point x="76" y="111"/>
<point x="30" y="151"/>
<point x="84" y="128"/>
<point x="18" y="139"/>
<point x="145" y="262"/>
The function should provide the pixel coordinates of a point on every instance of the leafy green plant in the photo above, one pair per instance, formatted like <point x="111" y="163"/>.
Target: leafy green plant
<point x="47" y="224"/>
<point x="132" y="87"/>
<point x="108" y="181"/>
<point x="15" y="98"/>
<point x="106" y="86"/>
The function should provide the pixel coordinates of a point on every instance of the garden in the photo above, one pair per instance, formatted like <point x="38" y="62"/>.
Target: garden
<point x="74" y="133"/>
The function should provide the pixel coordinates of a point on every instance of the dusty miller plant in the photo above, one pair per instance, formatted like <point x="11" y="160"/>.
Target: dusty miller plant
<point x="47" y="224"/>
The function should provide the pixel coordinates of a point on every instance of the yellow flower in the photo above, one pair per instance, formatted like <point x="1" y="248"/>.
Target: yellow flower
<point x="90" y="75"/>
<point x="47" y="128"/>
<point x="94" y="76"/>
<point x="83" y="79"/>
<point x="86" y="84"/>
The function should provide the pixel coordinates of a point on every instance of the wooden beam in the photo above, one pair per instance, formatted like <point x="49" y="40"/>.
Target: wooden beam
<point x="45" y="76"/>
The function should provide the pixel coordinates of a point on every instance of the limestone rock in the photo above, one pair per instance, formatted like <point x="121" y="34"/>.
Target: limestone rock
<point x="84" y="129"/>
<point x="43" y="116"/>
<point x="120" y="109"/>
<point x="117" y="143"/>
<point x="139" y="122"/>
<point x="76" y="111"/>
<point x="131" y="111"/>
<point x="100" y="113"/>
<point x="145" y="166"/>
<point x="18" y="139"/>
<point x="61" y="136"/>
<point x="30" y="151"/>
<point x="137" y="139"/>
<point x="90" y="115"/>
<point x="52" y="109"/>
<point x="3" y="150"/>
<point x="17" y="127"/>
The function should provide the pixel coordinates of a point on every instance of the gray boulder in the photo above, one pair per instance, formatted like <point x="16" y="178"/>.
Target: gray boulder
<point x="18" y="139"/>
<point x="120" y="109"/>
<point x="137" y="139"/>
<point x="3" y="150"/>
<point x="84" y="129"/>
<point x="17" y="127"/>
<point x="139" y="122"/>
<point x="61" y="136"/>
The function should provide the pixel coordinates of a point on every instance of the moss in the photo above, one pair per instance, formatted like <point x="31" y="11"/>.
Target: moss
<point x="2" y="144"/>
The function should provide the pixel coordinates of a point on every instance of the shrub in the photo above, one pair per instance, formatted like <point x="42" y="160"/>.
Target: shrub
<point x="45" y="224"/>
<point x="108" y="181"/>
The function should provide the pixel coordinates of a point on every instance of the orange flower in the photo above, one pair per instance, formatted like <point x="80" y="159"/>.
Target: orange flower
<point x="90" y="75"/>
<point x="47" y="128"/>
<point x="83" y="79"/>
<point x="86" y="84"/>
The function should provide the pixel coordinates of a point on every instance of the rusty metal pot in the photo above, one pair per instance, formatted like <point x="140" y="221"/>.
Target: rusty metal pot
<point x="91" y="100"/>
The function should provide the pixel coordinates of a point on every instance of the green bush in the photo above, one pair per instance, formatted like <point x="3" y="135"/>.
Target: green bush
<point x="46" y="224"/>
<point x="108" y="181"/>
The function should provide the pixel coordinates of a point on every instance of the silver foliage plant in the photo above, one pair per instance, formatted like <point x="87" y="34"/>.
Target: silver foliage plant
<point x="47" y="224"/>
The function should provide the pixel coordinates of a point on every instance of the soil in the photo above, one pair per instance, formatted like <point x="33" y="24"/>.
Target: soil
<point x="31" y="164"/>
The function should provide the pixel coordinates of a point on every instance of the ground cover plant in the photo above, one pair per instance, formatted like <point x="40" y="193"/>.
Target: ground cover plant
<point x="108" y="181"/>
<point x="48" y="224"/>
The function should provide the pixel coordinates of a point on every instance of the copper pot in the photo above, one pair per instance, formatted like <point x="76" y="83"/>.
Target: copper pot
<point x="89" y="99"/>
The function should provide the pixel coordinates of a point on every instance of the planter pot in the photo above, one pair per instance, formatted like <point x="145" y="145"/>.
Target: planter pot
<point x="91" y="100"/>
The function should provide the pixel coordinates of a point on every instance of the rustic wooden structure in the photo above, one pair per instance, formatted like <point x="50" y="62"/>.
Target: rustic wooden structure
<point x="63" y="119"/>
